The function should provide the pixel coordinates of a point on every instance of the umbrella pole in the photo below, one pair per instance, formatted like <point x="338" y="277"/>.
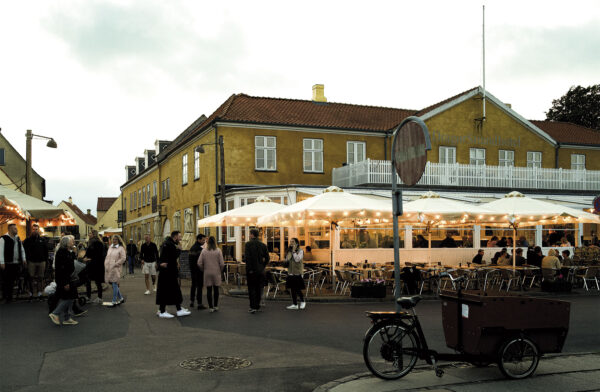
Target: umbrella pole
<point x="331" y="238"/>
<point x="429" y="247"/>
<point x="514" y="247"/>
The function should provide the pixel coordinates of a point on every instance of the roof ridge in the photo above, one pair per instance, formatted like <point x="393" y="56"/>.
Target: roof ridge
<point x="226" y="105"/>
<point x="330" y="103"/>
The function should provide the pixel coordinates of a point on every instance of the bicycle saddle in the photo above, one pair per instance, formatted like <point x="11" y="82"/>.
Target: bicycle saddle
<point x="409" y="302"/>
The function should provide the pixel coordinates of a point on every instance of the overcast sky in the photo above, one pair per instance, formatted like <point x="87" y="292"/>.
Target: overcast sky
<point x="108" y="78"/>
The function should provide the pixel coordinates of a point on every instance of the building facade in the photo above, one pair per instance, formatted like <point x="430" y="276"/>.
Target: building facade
<point x="12" y="171"/>
<point x="274" y="144"/>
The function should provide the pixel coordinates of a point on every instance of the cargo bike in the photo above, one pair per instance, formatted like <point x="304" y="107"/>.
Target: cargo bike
<point x="513" y="331"/>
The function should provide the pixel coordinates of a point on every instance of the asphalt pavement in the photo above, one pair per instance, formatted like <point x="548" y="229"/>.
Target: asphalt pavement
<point x="128" y="348"/>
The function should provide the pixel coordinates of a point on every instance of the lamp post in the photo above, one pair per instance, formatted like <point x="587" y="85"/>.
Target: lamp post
<point x="28" y="170"/>
<point x="200" y="150"/>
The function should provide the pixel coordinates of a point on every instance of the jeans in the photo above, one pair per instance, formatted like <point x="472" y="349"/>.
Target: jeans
<point x="210" y="292"/>
<point x="116" y="293"/>
<point x="255" y="285"/>
<point x="65" y="307"/>
<point x="130" y="262"/>
<point x="197" y="284"/>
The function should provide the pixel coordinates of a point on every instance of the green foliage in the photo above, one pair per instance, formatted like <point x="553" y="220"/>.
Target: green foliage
<point x="580" y="105"/>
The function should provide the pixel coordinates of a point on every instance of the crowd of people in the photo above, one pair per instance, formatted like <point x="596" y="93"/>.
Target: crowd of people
<point x="102" y="262"/>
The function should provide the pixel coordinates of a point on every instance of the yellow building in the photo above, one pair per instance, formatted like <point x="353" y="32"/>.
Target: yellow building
<point x="84" y="222"/>
<point x="12" y="171"/>
<point x="107" y="210"/>
<point x="271" y="145"/>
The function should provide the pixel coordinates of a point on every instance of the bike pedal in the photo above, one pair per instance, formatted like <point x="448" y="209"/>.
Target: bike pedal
<point x="439" y="373"/>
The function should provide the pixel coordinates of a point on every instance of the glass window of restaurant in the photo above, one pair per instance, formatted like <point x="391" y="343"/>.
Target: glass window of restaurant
<point x="368" y="237"/>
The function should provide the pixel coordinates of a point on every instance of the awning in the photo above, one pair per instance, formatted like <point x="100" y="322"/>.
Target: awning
<point x="36" y="209"/>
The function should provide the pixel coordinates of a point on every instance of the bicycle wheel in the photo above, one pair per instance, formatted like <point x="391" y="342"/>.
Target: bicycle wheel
<point x="390" y="350"/>
<point x="519" y="357"/>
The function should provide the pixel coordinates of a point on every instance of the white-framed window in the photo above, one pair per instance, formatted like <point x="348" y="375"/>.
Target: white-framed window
<point x="506" y="158"/>
<point x="534" y="159"/>
<point x="206" y="208"/>
<point x="577" y="162"/>
<point x="168" y="188"/>
<point x="355" y="152"/>
<point x="477" y="156"/>
<point x="230" y="229"/>
<point x="196" y="165"/>
<point x="447" y="154"/>
<point x="265" y="152"/>
<point x="139" y="200"/>
<point x="184" y="169"/>
<point x="131" y="201"/>
<point x="148" y="194"/>
<point x="143" y="196"/>
<point x="154" y="188"/>
<point x="196" y="218"/>
<point x="313" y="155"/>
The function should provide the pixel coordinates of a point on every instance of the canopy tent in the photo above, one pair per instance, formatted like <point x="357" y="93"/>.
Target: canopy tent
<point x="333" y="207"/>
<point x="28" y="207"/>
<point x="242" y="216"/>
<point x="519" y="210"/>
<point x="110" y="230"/>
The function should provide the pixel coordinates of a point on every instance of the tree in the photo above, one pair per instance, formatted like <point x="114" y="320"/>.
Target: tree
<point x="580" y="105"/>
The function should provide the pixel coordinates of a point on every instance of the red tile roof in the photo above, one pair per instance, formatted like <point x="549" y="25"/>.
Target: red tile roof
<point x="294" y="112"/>
<point x="564" y="132"/>
<point x="89" y="219"/>
<point x="104" y="203"/>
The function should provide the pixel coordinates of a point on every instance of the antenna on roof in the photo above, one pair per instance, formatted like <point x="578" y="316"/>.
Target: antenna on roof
<point x="483" y="51"/>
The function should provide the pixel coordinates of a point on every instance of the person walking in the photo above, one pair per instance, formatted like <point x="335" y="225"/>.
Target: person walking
<point x="94" y="257"/>
<point x="211" y="264"/>
<point x="113" y="265"/>
<point x="64" y="266"/>
<point x="197" y="273"/>
<point x="168" y="290"/>
<point x="131" y="253"/>
<point x="36" y="251"/>
<point x="149" y="256"/>
<point x="256" y="257"/>
<point x="12" y="257"/>
<point x="295" y="283"/>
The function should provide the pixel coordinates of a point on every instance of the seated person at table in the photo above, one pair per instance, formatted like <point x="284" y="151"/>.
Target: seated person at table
<point x="497" y="259"/>
<point x="550" y="265"/>
<point x="567" y="261"/>
<point x="523" y="242"/>
<point x="467" y="241"/>
<point x="535" y="257"/>
<point x="346" y="244"/>
<point x="448" y="242"/>
<point x="492" y="242"/>
<point x="478" y="259"/>
<point x="308" y="256"/>
<point x="509" y="242"/>
<point x="421" y="242"/>
<point x="564" y="242"/>
<point x="519" y="259"/>
<point x="501" y="243"/>
<point x="505" y="258"/>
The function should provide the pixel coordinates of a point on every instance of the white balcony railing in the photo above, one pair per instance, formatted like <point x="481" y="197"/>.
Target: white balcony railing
<point x="472" y="176"/>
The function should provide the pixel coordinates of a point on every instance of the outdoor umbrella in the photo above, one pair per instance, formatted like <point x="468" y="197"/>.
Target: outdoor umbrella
<point x="333" y="207"/>
<point x="518" y="210"/>
<point x="242" y="216"/>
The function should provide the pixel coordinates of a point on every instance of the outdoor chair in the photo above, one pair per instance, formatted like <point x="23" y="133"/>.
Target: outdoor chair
<point x="341" y="282"/>
<point x="241" y="274"/>
<point x="509" y="277"/>
<point x="528" y="274"/>
<point x="589" y="274"/>
<point x="274" y="281"/>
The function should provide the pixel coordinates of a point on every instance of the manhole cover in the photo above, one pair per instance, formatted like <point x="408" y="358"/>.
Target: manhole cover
<point x="208" y="364"/>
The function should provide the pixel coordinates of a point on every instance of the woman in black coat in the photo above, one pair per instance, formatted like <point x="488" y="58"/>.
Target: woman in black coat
<point x="168" y="291"/>
<point x="66" y="292"/>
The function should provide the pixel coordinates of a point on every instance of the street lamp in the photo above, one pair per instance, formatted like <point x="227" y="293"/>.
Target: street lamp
<point x="28" y="171"/>
<point x="200" y="150"/>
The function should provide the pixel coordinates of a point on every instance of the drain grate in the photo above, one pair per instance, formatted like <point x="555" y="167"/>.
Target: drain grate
<point x="210" y="364"/>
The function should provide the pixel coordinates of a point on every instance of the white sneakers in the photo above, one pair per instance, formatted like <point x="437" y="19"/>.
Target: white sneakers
<point x="183" y="312"/>
<point x="147" y="292"/>
<point x="165" y="315"/>
<point x="296" y="307"/>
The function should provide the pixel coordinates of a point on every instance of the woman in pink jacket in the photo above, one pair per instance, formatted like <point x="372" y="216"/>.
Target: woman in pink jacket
<point x="113" y="264"/>
<point x="211" y="262"/>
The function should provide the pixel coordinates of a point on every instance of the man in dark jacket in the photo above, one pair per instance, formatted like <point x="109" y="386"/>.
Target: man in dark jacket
<point x="12" y="256"/>
<point x="36" y="250"/>
<point x="256" y="257"/>
<point x="448" y="242"/>
<point x="168" y="291"/>
<point x="478" y="259"/>
<point x="131" y="252"/>
<point x="94" y="257"/>
<point x="149" y="257"/>
<point x="196" y="272"/>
